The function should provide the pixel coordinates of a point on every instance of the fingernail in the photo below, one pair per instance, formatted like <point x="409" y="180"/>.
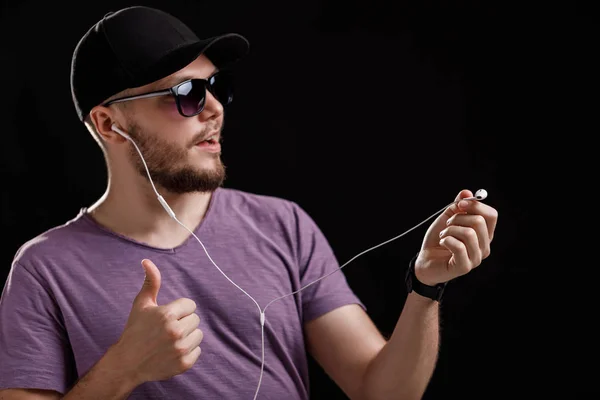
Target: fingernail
<point x="463" y="204"/>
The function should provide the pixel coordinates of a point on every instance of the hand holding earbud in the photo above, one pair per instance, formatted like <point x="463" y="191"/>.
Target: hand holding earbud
<point x="158" y="342"/>
<point x="458" y="240"/>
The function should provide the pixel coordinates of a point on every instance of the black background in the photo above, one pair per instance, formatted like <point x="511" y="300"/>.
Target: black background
<point x="372" y="116"/>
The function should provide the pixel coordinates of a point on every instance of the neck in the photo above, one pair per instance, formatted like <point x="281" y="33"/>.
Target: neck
<point x="133" y="210"/>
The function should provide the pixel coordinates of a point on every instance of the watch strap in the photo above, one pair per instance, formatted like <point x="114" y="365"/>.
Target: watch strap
<point x="413" y="284"/>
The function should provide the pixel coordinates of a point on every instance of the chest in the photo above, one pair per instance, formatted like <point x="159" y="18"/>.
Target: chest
<point x="228" y="286"/>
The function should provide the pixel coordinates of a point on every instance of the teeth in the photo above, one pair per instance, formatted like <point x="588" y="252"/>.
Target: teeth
<point x="210" y="138"/>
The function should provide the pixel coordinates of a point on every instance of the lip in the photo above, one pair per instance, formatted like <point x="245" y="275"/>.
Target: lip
<point x="214" y="147"/>
<point x="216" y="134"/>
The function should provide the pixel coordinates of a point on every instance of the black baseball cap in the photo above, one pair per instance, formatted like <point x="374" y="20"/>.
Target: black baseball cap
<point x="136" y="46"/>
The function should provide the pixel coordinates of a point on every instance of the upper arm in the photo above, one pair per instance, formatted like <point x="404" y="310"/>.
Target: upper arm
<point x="35" y="352"/>
<point x="339" y="333"/>
<point x="29" y="394"/>
<point x="344" y="342"/>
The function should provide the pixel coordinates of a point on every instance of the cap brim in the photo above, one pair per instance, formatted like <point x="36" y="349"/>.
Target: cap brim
<point x="223" y="51"/>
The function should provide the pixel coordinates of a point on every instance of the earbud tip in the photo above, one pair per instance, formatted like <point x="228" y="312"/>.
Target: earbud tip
<point x="481" y="194"/>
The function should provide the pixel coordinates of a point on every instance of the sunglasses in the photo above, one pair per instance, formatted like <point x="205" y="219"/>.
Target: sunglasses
<point x="190" y="95"/>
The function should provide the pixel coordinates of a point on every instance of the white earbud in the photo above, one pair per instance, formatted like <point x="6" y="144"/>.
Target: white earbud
<point x="119" y="131"/>
<point x="481" y="194"/>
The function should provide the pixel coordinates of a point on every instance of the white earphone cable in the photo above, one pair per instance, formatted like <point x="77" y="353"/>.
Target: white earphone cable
<point x="262" y="311"/>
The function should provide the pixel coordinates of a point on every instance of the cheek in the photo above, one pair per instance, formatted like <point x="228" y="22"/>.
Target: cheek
<point x="167" y="107"/>
<point x="170" y="109"/>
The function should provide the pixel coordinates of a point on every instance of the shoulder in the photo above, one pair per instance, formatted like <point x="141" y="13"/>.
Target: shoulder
<point x="53" y="242"/>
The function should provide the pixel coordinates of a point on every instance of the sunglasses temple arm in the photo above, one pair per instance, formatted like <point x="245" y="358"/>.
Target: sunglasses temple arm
<point x="141" y="96"/>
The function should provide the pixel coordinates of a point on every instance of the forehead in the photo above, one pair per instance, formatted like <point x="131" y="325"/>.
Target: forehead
<point x="201" y="67"/>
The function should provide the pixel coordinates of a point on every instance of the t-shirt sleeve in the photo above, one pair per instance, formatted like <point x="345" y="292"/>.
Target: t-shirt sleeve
<point x="317" y="259"/>
<point x="34" y="348"/>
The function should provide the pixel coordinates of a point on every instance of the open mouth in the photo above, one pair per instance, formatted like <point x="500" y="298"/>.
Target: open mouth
<point x="211" y="140"/>
<point x="210" y="144"/>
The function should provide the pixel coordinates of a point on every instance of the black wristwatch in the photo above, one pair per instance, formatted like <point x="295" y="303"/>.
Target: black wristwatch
<point x="412" y="283"/>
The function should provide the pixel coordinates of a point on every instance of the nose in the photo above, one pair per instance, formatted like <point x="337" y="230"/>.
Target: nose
<point x="213" y="108"/>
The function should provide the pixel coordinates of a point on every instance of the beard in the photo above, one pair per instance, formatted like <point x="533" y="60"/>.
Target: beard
<point x="162" y="159"/>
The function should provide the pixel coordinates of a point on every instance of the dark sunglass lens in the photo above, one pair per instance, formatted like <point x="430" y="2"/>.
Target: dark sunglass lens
<point x="192" y="96"/>
<point x="221" y="86"/>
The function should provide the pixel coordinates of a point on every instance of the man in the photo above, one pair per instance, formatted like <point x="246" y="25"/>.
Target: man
<point x="76" y="320"/>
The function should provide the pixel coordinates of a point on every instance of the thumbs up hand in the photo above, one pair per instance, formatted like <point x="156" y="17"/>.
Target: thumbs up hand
<point x="159" y="341"/>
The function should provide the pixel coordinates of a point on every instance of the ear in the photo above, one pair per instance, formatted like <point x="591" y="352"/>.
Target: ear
<point x="103" y="118"/>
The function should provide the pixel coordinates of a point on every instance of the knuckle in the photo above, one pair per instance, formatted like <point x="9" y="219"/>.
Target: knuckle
<point x="166" y="315"/>
<point x="185" y="364"/>
<point x="180" y="349"/>
<point x="494" y="214"/>
<point x="480" y="220"/>
<point x="471" y="234"/>
<point x="464" y="268"/>
<point x="173" y="332"/>
<point x="188" y="362"/>
<point x="487" y="251"/>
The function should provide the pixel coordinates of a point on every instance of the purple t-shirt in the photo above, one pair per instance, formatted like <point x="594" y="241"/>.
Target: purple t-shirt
<point x="69" y="293"/>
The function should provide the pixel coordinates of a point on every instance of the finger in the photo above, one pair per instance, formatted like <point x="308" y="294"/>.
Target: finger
<point x="453" y="208"/>
<point x="478" y="223"/>
<point x="149" y="292"/>
<point x="489" y="213"/>
<point x="189" y="323"/>
<point x="459" y="262"/>
<point x="191" y="341"/>
<point x="468" y="237"/>
<point x="190" y="359"/>
<point x="179" y="308"/>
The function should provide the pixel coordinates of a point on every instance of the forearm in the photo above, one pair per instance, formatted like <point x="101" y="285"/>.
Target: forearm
<point x="404" y="366"/>
<point x="106" y="380"/>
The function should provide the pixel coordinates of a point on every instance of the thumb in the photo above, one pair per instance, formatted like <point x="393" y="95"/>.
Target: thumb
<point x="455" y="208"/>
<point x="149" y="292"/>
